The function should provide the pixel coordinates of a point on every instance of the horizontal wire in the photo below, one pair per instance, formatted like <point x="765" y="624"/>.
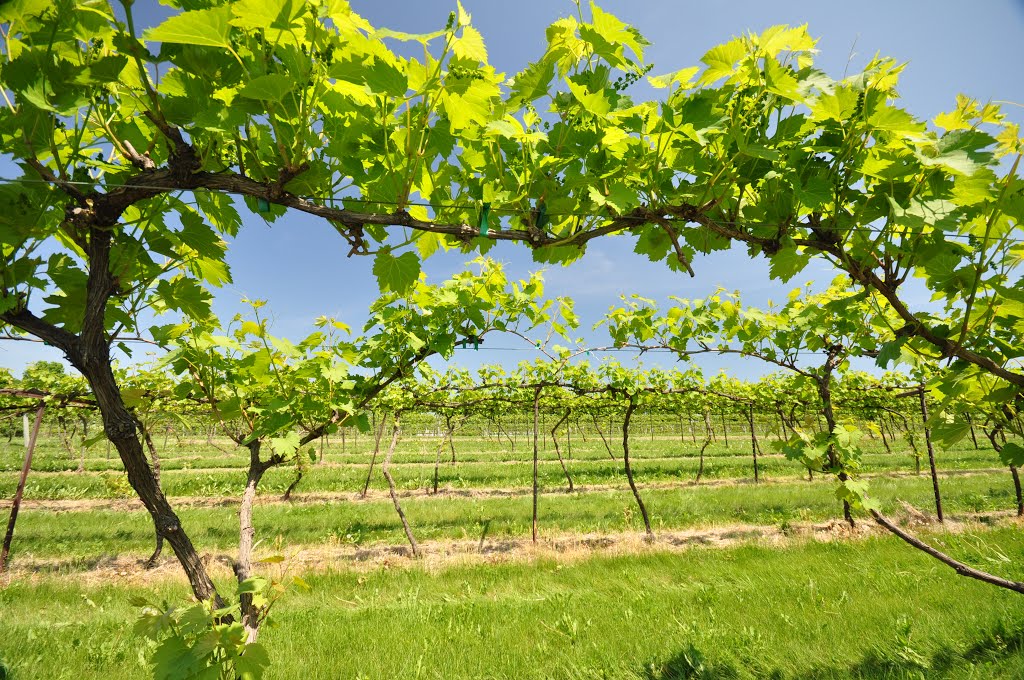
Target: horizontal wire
<point x="578" y="352"/>
<point x="473" y="206"/>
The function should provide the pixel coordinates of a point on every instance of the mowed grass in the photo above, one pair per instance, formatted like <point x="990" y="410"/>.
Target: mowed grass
<point x="479" y="464"/>
<point x="863" y="609"/>
<point x="53" y="457"/>
<point x="82" y="536"/>
<point x="860" y="609"/>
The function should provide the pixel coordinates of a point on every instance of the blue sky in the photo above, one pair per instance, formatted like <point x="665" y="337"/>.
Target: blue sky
<point x="299" y="264"/>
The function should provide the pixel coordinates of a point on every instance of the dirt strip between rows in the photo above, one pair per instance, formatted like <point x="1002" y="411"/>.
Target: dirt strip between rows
<point x="376" y="495"/>
<point x="128" y="569"/>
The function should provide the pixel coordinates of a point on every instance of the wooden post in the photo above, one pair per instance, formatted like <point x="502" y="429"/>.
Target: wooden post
<point x="931" y="455"/>
<point x="16" y="504"/>
<point x="885" y="440"/>
<point x="536" y="434"/>
<point x="568" y="439"/>
<point x="376" y="450"/>
<point x="753" y="442"/>
<point x="974" y="437"/>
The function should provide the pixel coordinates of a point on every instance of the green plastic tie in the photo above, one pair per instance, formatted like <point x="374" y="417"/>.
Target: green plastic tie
<point x="542" y="214"/>
<point x="481" y="222"/>
<point x="262" y="205"/>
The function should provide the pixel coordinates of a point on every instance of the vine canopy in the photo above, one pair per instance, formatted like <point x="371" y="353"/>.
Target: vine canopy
<point x="135" y="146"/>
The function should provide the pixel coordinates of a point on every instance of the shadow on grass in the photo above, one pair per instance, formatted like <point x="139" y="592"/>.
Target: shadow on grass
<point x="1001" y="640"/>
<point x="899" y="660"/>
<point x="999" y="645"/>
<point x="689" y="663"/>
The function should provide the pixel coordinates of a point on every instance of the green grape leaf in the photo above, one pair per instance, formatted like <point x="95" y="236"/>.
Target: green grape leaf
<point x="949" y="430"/>
<point x="384" y="78"/>
<point x="252" y="664"/>
<point x="890" y="352"/>
<point x="270" y="88"/>
<point x="279" y="14"/>
<point x="721" y="60"/>
<point x="286" y="445"/>
<point x="787" y="263"/>
<point x="470" y="45"/>
<point x="1012" y="454"/>
<point x="396" y="273"/>
<point x="198" y="27"/>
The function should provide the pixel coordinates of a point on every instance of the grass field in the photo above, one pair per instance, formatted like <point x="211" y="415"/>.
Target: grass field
<point x="770" y="601"/>
<point x="866" y="609"/>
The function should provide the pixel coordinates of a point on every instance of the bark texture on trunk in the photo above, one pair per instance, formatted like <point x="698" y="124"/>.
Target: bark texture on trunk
<point x="121" y="429"/>
<point x="246" y="540"/>
<point x="451" y="439"/>
<point x="155" y="458"/>
<point x="993" y="436"/>
<point x="885" y="440"/>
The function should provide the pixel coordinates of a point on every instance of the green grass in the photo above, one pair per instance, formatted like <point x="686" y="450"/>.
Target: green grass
<point x="51" y="455"/>
<point x="82" y="536"/>
<point x="866" y="609"/>
<point x="863" y="609"/>
<point x="665" y="462"/>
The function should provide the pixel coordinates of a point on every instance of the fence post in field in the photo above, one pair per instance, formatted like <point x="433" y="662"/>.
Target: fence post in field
<point x="16" y="504"/>
<point x="931" y="454"/>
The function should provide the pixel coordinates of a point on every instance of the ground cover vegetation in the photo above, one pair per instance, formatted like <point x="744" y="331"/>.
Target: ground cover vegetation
<point x="138" y="149"/>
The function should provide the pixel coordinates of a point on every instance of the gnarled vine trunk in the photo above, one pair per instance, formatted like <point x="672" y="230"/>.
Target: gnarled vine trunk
<point x="120" y="427"/>
<point x="385" y="468"/>
<point x="824" y="383"/>
<point x="246" y="536"/>
<point x="155" y="458"/>
<point x="558" y="451"/>
<point x="629" y="467"/>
